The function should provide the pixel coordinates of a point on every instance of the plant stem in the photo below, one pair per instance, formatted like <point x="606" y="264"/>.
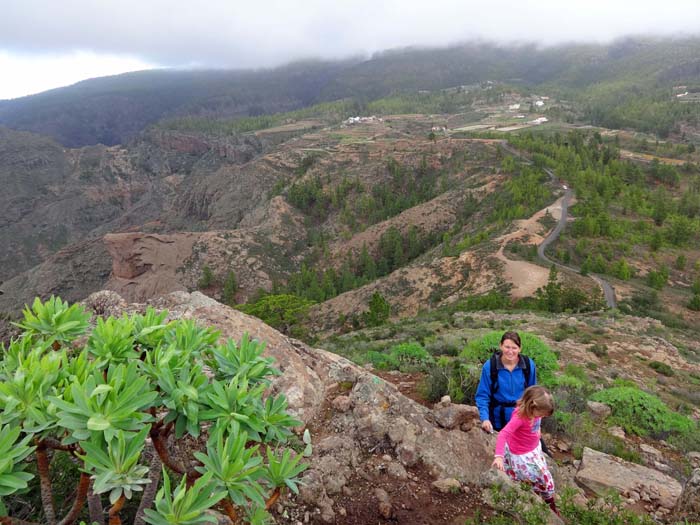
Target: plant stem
<point x="273" y="498"/>
<point x="229" y="510"/>
<point x="159" y="445"/>
<point x="97" y="513"/>
<point x="149" y="493"/>
<point x="57" y="445"/>
<point x="80" y="497"/>
<point x="42" y="461"/>
<point x="114" y="518"/>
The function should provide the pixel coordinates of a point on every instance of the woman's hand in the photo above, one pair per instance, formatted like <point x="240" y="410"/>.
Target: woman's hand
<point x="498" y="463"/>
<point x="486" y="426"/>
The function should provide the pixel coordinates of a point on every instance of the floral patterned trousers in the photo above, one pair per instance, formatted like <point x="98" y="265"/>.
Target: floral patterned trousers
<point x="531" y="468"/>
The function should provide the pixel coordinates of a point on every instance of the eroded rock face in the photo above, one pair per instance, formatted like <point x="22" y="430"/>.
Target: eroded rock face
<point x="145" y="265"/>
<point x="601" y="472"/>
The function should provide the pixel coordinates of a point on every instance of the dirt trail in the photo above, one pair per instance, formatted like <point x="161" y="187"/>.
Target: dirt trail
<point x="527" y="277"/>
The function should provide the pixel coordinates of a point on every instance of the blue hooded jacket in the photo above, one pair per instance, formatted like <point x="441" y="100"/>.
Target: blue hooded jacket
<point x="511" y="386"/>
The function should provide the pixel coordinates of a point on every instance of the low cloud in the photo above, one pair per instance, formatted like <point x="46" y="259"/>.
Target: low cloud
<point x="222" y="33"/>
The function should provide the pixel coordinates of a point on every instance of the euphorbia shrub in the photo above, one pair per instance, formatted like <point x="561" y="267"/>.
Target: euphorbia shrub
<point x="103" y="395"/>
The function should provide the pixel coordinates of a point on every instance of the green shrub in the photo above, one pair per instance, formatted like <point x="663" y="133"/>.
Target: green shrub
<point x="572" y="381"/>
<point x="97" y="398"/>
<point x="560" y="335"/>
<point x="436" y="381"/>
<point x="694" y="303"/>
<point x="662" y="368"/>
<point x="285" y="312"/>
<point x="599" y="350"/>
<point x="519" y="505"/>
<point x="545" y="359"/>
<point x="642" y="413"/>
<point x="207" y="278"/>
<point x="612" y="512"/>
<point x="452" y="377"/>
<point x="584" y="338"/>
<point x="576" y="371"/>
<point x="382" y="361"/>
<point x="410" y="356"/>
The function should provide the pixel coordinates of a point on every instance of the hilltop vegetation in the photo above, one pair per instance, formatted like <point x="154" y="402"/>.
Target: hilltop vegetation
<point x="625" y="84"/>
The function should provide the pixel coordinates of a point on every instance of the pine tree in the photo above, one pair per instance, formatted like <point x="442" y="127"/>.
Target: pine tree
<point x="228" y="294"/>
<point x="550" y="296"/>
<point x="207" y="278"/>
<point x="379" y="310"/>
<point x="368" y="267"/>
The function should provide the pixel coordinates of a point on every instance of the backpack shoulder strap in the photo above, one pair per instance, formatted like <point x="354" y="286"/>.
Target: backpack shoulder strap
<point x="494" y="372"/>
<point x="527" y="370"/>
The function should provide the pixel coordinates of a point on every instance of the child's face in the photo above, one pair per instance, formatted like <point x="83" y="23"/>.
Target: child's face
<point x="542" y="413"/>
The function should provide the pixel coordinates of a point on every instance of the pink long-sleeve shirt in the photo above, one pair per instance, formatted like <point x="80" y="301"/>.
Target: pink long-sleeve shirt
<point x="522" y="435"/>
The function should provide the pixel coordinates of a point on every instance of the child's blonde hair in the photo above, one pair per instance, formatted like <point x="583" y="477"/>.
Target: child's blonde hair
<point x="536" y="399"/>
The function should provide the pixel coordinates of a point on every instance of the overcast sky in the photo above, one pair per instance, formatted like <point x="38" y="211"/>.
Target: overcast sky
<point x="52" y="43"/>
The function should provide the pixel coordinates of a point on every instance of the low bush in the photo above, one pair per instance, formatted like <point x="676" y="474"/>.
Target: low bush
<point x="662" y="368"/>
<point x="410" y="356"/>
<point x="84" y="400"/>
<point x="453" y="377"/>
<point x="519" y="505"/>
<point x="641" y="413"/>
<point x="599" y="350"/>
<point x="382" y="361"/>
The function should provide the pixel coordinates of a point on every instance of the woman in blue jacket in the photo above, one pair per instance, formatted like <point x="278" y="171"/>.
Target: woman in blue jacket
<point x="499" y="389"/>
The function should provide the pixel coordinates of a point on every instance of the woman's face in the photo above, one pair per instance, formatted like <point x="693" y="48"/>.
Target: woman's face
<point x="510" y="352"/>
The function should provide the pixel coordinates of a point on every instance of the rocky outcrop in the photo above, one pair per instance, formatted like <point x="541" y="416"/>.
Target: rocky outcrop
<point x="73" y="272"/>
<point x="601" y="472"/>
<point x="145" y="266"/>
<point x="149" y="265"/>
<point x="689" y="500"/>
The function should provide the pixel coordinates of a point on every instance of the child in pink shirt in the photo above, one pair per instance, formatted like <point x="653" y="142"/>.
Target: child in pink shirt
<point x="518" y="449"/>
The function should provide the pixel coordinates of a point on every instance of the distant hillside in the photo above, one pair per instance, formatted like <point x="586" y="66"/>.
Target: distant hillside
<point x="111" y="110"/>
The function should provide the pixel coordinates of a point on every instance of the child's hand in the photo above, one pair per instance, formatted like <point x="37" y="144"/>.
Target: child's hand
<point x="498" y="463"/>
<point x="486" y="426"/>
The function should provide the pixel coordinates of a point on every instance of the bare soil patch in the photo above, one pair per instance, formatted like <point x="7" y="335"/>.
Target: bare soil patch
<point x="413" y="501"/>
<point x="526" y="277"/>
<point x="409" y="384"/>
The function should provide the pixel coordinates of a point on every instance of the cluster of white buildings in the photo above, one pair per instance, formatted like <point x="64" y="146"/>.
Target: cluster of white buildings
<point x="359" y="120"/>
<point x="538" y="103"/>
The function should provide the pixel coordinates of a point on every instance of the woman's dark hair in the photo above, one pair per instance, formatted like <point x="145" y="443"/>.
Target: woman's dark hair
<point x="513" y="336"/>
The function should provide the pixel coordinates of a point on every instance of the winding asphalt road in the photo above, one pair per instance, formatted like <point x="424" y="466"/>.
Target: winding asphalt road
<point x="608" y="290"/>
